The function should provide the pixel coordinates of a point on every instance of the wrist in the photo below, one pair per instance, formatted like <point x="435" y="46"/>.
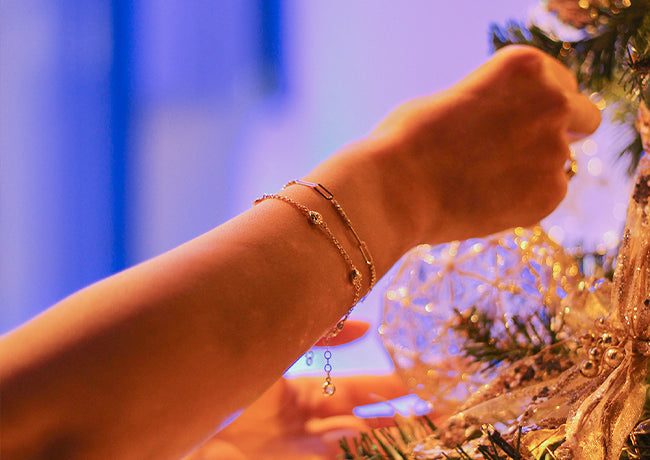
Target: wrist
<point x="375" y="190"/>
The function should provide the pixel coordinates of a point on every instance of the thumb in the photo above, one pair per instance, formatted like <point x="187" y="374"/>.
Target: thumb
<point x="352" y="331"/>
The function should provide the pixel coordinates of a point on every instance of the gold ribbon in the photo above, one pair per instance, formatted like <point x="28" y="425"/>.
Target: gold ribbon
<point x="604" y="420"/>
<point x="582" y="398"/>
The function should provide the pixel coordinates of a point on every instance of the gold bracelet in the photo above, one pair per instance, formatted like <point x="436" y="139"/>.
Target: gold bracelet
<point x="363" y="247"/>
<point x="315" y="218"/>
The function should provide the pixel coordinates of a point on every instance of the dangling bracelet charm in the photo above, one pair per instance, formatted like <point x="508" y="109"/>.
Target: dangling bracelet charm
<point x="328" y="387"/>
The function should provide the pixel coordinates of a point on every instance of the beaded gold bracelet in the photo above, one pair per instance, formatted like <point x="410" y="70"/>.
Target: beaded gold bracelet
<point x="315" y="218"/>
<point x="363" y="247"/>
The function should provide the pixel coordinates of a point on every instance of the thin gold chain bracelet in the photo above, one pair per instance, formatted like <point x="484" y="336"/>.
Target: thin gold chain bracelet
<point x="363" y="247"/>
<point x="315" y="218"/>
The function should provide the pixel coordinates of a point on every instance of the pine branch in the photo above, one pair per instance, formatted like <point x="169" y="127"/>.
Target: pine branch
<point x="523" y="337"/>
<point x="392" y="444"/>
<point x="387" y="443"/>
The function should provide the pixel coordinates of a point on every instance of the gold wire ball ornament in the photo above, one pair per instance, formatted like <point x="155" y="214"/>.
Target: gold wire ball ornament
<point x="514" y="278"/>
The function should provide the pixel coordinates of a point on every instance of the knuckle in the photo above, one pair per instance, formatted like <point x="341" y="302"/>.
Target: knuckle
<point x="524" y="61"/>
<point x="530" y="67"/>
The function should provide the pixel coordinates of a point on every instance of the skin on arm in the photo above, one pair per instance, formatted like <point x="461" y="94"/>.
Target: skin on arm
<point x="152" y="361"/>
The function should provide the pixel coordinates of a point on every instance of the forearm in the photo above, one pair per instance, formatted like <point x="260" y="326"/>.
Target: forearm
<point x="154" y="359"/>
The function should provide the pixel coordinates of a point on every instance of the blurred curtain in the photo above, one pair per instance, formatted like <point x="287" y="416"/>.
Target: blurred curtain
<point x="111" y="115"/>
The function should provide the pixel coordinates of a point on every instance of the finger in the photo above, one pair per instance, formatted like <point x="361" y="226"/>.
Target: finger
<point x="368" y="389"/>
<point x="351" y="392"/>
<point x="584" y="116"/>
<point x="552" y="68"/>
<point x="335" y="422"/>
<point x="353" y="330"/>
<point x="562" y="74"/>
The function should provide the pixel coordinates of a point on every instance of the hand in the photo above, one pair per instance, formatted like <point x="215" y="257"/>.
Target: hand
<point x="489" y="153"/>
<point x="293" y="420"/>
